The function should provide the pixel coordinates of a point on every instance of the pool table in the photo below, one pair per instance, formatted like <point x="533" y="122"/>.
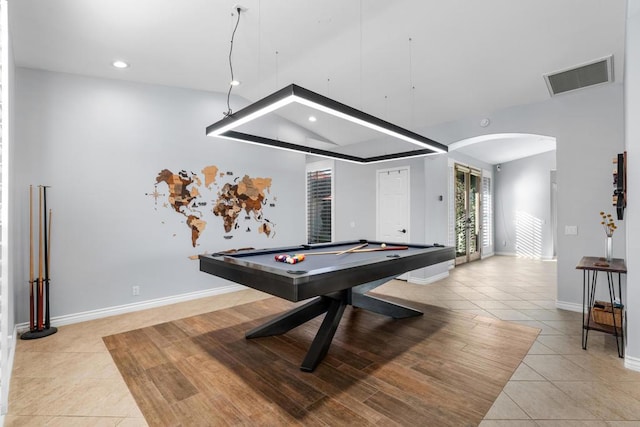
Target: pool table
<point x="333" y="274"/>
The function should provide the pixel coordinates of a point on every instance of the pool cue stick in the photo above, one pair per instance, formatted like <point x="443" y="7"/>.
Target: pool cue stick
<point x="47" y="242"/>
<point x="320" y="253"/>
<point x="49" y="238"/>
<point x="352" y="249"/>
<point x="40" y="263"/>
<point x="32" y="321"/>
<point x="227" y="252"/>
<point x="388" y="248"/>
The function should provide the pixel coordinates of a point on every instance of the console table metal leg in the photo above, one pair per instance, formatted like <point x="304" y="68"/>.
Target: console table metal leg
<point x="592" y="296"/>
<point x="612" y="297"/>
<point x="584" y="324"/>
<point x="592" y="279"/>
<point x="623" y="324"/>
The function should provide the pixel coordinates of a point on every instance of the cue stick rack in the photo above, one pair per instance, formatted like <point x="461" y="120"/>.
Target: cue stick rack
<point x="620" y="184"/>
<point x="39" y="313"/>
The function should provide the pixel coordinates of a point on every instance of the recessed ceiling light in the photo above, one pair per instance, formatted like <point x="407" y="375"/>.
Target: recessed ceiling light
<point x="235" y="83"/>
<point x="312" y="118"/>
<point x="120" y="64"/>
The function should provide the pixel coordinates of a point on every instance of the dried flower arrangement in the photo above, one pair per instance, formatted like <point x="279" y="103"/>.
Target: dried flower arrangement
<point x="608" y="224"/>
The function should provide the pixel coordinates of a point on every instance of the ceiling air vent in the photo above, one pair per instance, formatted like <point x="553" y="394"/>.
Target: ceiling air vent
<point x="590" y="74"/>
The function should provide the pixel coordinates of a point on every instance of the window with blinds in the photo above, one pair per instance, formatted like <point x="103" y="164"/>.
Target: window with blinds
<point x="319" y="205"/>
<point x="487" y="213"/>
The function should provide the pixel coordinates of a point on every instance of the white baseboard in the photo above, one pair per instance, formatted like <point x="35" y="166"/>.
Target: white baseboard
<point x="427" y="280"/>
<point x="6" y="378"/>
<point x="632" y="363"/>
<point x="570" y="306"/>
<point x="506" y="253"/>
<point x="487" y="255"/>
<point x="542" y="258"/>
<point x="69" y="319"/>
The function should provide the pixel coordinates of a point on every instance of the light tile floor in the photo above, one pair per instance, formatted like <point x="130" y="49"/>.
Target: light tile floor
<point x="69" y="379"/>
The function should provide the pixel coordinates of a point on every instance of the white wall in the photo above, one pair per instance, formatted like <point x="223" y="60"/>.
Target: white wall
<point x="632" y="214"/>
<point x="7" y="339"/>
<point x="435" y="214"/>
<point x="355" y="204"/>
<point x="100" y="144"/>
<point x="523" y="207"/>
<point x="12" y="212"/>
<point x="436" y="211"/>
<point x="356" y="199"/>
<point x="588" y="126"/>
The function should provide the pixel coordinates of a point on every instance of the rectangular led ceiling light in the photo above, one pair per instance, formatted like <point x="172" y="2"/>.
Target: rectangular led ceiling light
<point x="293" y="94"/>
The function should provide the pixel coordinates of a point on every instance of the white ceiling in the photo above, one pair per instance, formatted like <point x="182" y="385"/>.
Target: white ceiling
<point x="504" y="147"/>
<point x="415" y="63"/>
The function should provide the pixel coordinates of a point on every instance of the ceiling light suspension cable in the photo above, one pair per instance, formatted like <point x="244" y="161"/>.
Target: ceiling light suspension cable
<point x="412" y="88"/>
<point x="277" y="82"/>
<point x="230" y="127"/>
<point x="233" y="80"/>
<point x="260" y="77"/>
<point x="360" y="48"/>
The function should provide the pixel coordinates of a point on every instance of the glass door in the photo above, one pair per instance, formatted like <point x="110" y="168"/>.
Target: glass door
<point x="467" y="213"/>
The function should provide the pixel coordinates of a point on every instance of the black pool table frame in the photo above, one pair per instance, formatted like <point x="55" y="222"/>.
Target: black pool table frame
<point x="334" y="286"/>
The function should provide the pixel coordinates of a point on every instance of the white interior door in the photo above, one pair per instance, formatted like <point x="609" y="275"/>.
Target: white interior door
<point x="393" y="206"/>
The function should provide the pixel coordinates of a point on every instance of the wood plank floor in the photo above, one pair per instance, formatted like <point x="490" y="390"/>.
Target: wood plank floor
<point x="442" y="369"/>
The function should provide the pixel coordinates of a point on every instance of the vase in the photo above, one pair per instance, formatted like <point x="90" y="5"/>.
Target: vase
<point x="608" y="248"/>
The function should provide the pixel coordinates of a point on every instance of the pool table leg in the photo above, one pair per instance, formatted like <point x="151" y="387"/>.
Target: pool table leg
<point x="385" y="308"/>
<point x="291" y="319"/>
<point x="322" y="341"/>
<point x="333" y="305"/>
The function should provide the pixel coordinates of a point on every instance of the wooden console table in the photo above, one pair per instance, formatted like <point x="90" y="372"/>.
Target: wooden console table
<point x="590" y="267"/>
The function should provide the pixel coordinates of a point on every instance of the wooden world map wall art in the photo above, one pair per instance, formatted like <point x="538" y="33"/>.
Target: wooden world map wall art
<point x="199" y="197"/>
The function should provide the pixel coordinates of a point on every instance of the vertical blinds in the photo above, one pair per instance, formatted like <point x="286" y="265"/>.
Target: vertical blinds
<point x="319" y="200"/>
